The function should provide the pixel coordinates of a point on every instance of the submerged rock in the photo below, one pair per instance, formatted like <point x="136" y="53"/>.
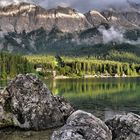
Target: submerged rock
<point x="125" y="127"/>
<point x="83" y="126"/>
<point x="31" y="104"/>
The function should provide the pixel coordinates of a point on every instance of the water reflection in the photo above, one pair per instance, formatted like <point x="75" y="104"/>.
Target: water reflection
<point x="101" y="96"/>
<point x="3" y="83"/>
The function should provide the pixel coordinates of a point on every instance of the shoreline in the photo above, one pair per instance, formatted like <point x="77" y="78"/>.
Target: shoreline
<point x="92" y="76"/>
<point x="83" y="77"/>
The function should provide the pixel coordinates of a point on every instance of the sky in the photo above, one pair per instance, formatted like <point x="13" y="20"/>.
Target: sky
<point x="81" y="5"/>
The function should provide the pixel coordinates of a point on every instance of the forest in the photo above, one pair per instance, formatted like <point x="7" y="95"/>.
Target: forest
<point x="12" y="64"/>
<point x="81" y="66"/>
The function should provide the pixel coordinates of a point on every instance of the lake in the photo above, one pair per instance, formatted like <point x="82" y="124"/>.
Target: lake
<point x="102" y="97"/>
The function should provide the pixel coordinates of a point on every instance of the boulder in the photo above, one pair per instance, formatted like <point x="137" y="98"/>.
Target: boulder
<point x="125" y="127"/>
<point x="27" y="103"/>
<point x="83" y="126"/>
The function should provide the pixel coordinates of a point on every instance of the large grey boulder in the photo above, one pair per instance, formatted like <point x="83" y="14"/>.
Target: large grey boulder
<point x="83" y="126"/>
<point x="125" y="127"/>
<point x="29" y="104"/>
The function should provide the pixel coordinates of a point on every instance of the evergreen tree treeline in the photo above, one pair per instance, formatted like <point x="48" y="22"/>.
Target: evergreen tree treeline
<point x="11" y="65"/>
<point x="81" y="66"/>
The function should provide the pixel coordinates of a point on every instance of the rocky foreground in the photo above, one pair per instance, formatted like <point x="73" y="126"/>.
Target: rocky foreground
<point x="27" y="103"/>
<point x="84" y="126"/>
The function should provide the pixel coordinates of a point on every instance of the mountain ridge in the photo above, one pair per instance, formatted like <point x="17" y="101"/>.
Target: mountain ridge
<point x="26" y="16"/>
<point x="41" y="17"/>
<point x="28" y="28"/>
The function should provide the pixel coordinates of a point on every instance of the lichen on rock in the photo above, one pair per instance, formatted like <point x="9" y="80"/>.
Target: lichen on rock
<point x="32" y="105"/>
<point x="83" y="126"/>
<point x="125" y="127"/>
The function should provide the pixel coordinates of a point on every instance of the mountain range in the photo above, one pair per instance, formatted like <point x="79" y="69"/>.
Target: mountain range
<point x="30" y="29"/>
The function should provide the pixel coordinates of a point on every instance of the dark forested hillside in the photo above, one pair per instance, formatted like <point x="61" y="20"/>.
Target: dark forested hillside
<point x="84" y="43"/>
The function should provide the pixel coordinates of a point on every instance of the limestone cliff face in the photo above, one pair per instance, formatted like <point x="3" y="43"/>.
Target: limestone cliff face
<point x="95" y="18"/>
<point x="30" y="17"/>
<point x="127" y="19"/>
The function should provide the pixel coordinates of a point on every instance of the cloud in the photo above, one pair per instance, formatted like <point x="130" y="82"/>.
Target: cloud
<point x="111" y="34"/>
<point x="81" y="5"/>
<point x="116" y="35"/>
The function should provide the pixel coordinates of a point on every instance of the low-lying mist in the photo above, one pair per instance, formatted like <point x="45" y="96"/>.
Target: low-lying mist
<point x="116" y="35"/>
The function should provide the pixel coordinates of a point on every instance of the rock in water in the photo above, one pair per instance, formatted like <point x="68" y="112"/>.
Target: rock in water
<point x="31" y="104"/>
<point x="125" y="127"/>
<point x="83" y="126"/>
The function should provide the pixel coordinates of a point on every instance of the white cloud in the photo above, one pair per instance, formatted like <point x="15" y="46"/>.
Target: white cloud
<point x="111" y="34"/>
<point x="116" y="35"/>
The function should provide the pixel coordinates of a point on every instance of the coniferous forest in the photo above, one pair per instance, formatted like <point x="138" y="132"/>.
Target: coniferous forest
<point x="11" y="65"/>
<point x="81" y="66"/>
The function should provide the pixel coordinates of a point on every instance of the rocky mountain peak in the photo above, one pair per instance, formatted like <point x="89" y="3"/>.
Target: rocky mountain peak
<point x="96" y="13"/>
<point x="58" y="26"/>
<point x="28" y="17"/>
<point x="15" y="9"/>
<point x="65" y="10"/>
<point x="134" y="5"/>
<point x="127" y="18"/>
<point x="95" y="17"/>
